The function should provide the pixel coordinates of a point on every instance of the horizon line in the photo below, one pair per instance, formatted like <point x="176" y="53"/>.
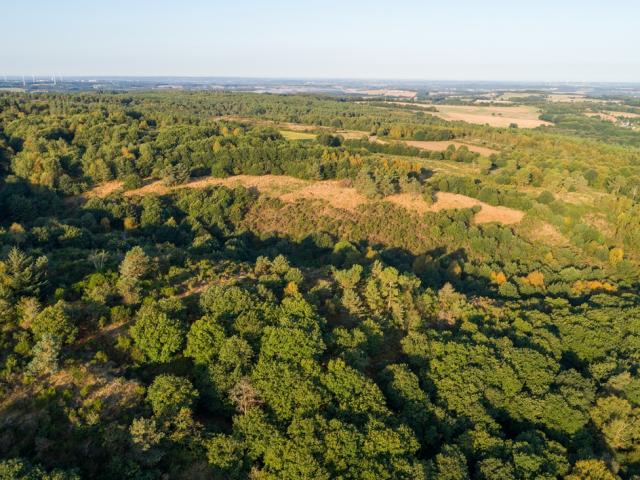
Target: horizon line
<point x="308" y="78"/>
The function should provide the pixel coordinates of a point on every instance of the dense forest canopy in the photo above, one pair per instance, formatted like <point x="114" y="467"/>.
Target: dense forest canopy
<point x="161" y="319"/>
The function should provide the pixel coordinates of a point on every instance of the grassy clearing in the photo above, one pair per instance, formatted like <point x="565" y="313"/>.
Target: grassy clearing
<point x="337" y="193"/>
<point x="291" y="135"/>
<point x="496" y="116"/>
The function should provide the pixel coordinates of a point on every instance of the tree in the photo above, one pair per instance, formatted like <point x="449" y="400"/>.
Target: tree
<point x="226" y="456"/>
<point x="158" y="336"/>
<point x="21" y="274"/>
<point x="451" y="464"/>
<point x="55" y="322"/>
<point x="176" y="174"/>
<point x="244" y="396"/>
<point x="591" y="469"/>
<point x="146" y="440"/>
<point x="45" y="356"/>
<point x="134" y="267"/>
<point x="168" y="394"/>
<point x="618" y="421"/>
<point x="204" y="340"/>
<point x="18" y="469"/>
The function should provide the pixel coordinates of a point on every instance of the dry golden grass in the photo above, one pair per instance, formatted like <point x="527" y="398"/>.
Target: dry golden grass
<point x="496" y="116"/>
<point x="538" y="231"/>
<point x="452" y="201"/>
<point x="352" y="134"/>
<point x="104" y="189"/>
<point x="488" y="213"/>
<point x="336" y="193"/>
<point x="297" y="135"/>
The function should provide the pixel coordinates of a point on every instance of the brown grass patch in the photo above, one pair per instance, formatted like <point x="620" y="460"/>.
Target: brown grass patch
<point x="496" y="116"/>
<point x="543" y="232"/>
<point x="453" y="201"/>
<point x="275" y="185"/>
<point x="336" y="193"/>
<point x="599" y="222"/>
<point x="104" y="190"/>
<point x="488" y="213"/>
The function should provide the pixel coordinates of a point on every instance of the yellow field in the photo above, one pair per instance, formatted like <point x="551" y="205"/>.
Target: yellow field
<point x="496" y="116"/>
<point x="291" y="135"/>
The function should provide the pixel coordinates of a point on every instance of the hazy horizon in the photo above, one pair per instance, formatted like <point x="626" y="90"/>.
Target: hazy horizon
<point x="404" y="41"/>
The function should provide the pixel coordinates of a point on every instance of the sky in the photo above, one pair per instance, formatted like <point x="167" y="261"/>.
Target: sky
<point x="517" y="40"/>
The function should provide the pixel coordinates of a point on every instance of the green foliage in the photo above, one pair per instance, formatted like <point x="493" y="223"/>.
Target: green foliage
<point x="168" y="394"/>
<point x="157" y="333"/>
<point x="54" y="322"/>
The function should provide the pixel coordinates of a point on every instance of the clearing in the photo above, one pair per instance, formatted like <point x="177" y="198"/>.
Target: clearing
<point x="293" y="135"/>
<point x="496" y="116"/>
<point x="337" y="193"/>
<point x="452" y="201"/>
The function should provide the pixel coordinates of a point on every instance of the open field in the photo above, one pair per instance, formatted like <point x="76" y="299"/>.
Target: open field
<point x="495" y="116"/>
<point x="293" y="135"/>
<point x="523" y="116"/>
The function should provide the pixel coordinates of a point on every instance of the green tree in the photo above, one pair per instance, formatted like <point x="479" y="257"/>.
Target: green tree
<point x="55" y="322"/>
<point x="158" y="335"/>
<point x="168" y="394"/>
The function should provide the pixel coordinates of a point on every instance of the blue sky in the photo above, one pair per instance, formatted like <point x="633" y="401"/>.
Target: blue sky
<point x="561" y="40"/>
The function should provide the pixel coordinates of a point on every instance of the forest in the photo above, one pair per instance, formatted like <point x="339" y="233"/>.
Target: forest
<point x="180" y="300"/>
